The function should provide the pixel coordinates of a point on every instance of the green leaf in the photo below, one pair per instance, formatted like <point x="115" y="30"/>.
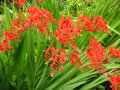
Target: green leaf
<point x="72" y="86"/>
<point x="20" y="61"/>
<point x="30" y="59"/>
<point x="7" y="16"/>
<point x="94" y="83"/>
<point x="42" y="81"/>
<point x="115" y="31"/>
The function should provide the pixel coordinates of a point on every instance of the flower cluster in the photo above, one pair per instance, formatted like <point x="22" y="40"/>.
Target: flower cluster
<point x="96" y="54"/>
<point x="37" y="19"/>
<point x="94" y="25"/>
<point x="114" y="52"/>
<point x="115" y="81"/>
<point x="75" y="60"/>
<point x="67" y="31"/>
<point x="39" y="0"/>
<point x="5" y="46"/>
<point x="12" y="34"/>
<point x="56" y="57"/>
<point x="20" y="3"/>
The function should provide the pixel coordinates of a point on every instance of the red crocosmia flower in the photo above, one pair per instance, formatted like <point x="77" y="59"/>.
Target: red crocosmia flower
<point x="67" y="31"/>
<point x="101" y="23"/>
<point x="56" y="57"/>
<point x="97" y="25"/>
<point x="39" y="0"/>
<point x="62" y="56"/>
<point x="5" y="46"/>
<point x="87" y="22"/>
<point x="96" y="53"/>
<point x="39" y="18"/>
<point x="114" y="52"/>
<point x="75" y="60"/>
<point x="39" y="15"/>
<point x="1" y="48"/>
<point x="107" y="61"/>
<point x="78" y="26"/>
<point x="61" y="68"/>
<point x="20" y="3"/>
<point x="17" y="25"/>
<point x="115" y="81"/>
<point x="10" y="36"/>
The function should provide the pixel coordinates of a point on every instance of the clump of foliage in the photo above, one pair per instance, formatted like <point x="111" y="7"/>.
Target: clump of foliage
<point x="76" y="7"/>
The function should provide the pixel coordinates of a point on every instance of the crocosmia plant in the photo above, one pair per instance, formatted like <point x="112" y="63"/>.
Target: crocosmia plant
<point x="43" y="49"/>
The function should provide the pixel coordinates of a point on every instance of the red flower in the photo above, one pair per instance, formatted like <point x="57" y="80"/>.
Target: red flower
<point x="20" y="3"/>
<point x="106" y="61"/>
<point x="17" y="26"/>
<point x="101" y="23"/>
<point x="62" y="56"/>
<point x="39" y="18"/>
<point x="114" y="52"/>
<point x="115" y="81"/>
<point x="10" y="36"/>
<point x="56" y="57"/>
<point x="75" y="60"/>
<point x="96" y="53"/>
<point x="39" y="0"/>
<point x="67" y="31"/>
<point x="5" y="46"/>
<point x="97" y="25"/>
<point x="1" y="48"/>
